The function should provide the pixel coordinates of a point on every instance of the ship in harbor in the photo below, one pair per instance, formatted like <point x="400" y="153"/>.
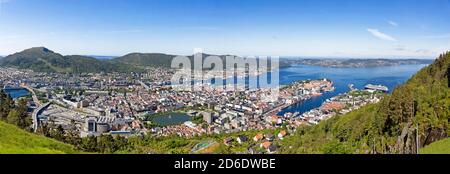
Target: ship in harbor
<point x="371" y="87"/>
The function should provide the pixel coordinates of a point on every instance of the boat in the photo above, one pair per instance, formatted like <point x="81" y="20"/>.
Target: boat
<point x="377" y="87"/>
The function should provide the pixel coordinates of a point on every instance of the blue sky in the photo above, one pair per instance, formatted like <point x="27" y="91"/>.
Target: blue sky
<point x="307" y="28"/>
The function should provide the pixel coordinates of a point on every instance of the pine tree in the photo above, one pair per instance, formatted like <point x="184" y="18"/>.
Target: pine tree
<point x="58" y="133"/>
<point x="3" y="113"/>
<point x="90" y="144"/>
<point x="24" y="118"/>
<point x="44" y="130"/>
<point x="7" y="103"/>
<point x="13" y="117"/>
<point x="106" y="144"/>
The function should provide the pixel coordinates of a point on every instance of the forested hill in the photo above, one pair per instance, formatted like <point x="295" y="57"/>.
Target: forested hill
<point x="422" y="104"/>
<point x="158" y="59"/>
<point x="146" y="59"/>
<point x="41" y="59"/>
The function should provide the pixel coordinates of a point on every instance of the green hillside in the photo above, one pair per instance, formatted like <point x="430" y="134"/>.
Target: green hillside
<point x="44" y="60"/>
<point x="439" y="147"/>
<point x="146" y="59"/>
<point x="17" y="141"/>
<point x="422" y="104"/>
<point x="41" y="59"/>
<point x="157" y="59"/>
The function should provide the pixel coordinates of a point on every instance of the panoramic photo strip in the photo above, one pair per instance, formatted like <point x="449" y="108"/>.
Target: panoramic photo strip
<point x="249" y="82"/>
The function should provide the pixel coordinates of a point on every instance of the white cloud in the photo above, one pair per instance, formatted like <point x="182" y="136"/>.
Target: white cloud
<point x="205" y="28"/>
<point x="415" y="52"/>
<point x="424" y="51"/>
<point x="401" y="48"/>
<point x="442" y="36"/>
<point x="12" y="37"/>
<point x="392" y="23"/>
<point x="380" y="35"/>
<point x="125" y="31"/>
<point x="1" y="5"/>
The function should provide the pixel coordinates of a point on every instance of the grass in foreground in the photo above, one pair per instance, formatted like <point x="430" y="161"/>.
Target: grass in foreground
<point x="438" y="147"/>
<point x="14" y="140"/>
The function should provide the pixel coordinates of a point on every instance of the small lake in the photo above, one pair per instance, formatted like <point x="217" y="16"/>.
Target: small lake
<point x="17" y="93"/>
<point x="171" y="119"/>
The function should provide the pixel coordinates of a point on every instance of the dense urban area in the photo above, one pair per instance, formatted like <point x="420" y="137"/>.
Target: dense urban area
<point x="79" y="107"/>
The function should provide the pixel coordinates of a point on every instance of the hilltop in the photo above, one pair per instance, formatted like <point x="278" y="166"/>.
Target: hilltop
<point x="158" y="59"/>
<point x="146" y="59"/>
<point x="41" y="59"/>
<point x="17" y="141"/>
<point x="419" y="107"/>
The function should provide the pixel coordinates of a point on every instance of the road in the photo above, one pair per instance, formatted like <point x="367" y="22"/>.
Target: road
<point x="144" y="85"/>
<point x="35" y="115"/>
<point x="35" y="98"/>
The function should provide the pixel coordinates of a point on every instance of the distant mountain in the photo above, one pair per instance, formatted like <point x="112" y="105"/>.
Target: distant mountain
<point x="102" y="57"/>
<point x="415" y="115"/>
<point x="146" y="59"/>
<point x="156" y="59"/>
<point x="355" y="63"/>
<point x="41" y="59"/>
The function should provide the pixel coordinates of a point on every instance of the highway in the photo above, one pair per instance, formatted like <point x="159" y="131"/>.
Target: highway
<point x="35" y="115"/>
<point x="39" y="108"/>
<point x="35" y="98"/>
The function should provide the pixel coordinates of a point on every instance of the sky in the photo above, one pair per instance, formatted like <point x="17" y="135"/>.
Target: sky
<point x="303" y="28"/>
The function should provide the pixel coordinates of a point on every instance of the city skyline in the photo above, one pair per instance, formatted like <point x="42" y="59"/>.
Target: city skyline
<point x="400" y="29"/>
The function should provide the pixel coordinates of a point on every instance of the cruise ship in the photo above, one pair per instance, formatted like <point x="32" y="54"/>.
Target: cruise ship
<point x="377" y="88"/>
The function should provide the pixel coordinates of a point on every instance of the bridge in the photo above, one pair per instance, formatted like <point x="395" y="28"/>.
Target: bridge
<point x="35" y="115"/>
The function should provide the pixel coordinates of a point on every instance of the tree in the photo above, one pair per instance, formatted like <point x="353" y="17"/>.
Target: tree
<point x="72" y="135"/>
<point x="121" y="143"/>
<point x="44" y="130"/>
<point x="13" y="117"/>
<point x="3" y="114"/>
<point x="106" y="144"/>
<point x="58" y="133"/>
<point x="89" y="144"/>
<point x="17" y="116"/>
<point x="7" y="103"/>
<point x="24" y="118"/>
